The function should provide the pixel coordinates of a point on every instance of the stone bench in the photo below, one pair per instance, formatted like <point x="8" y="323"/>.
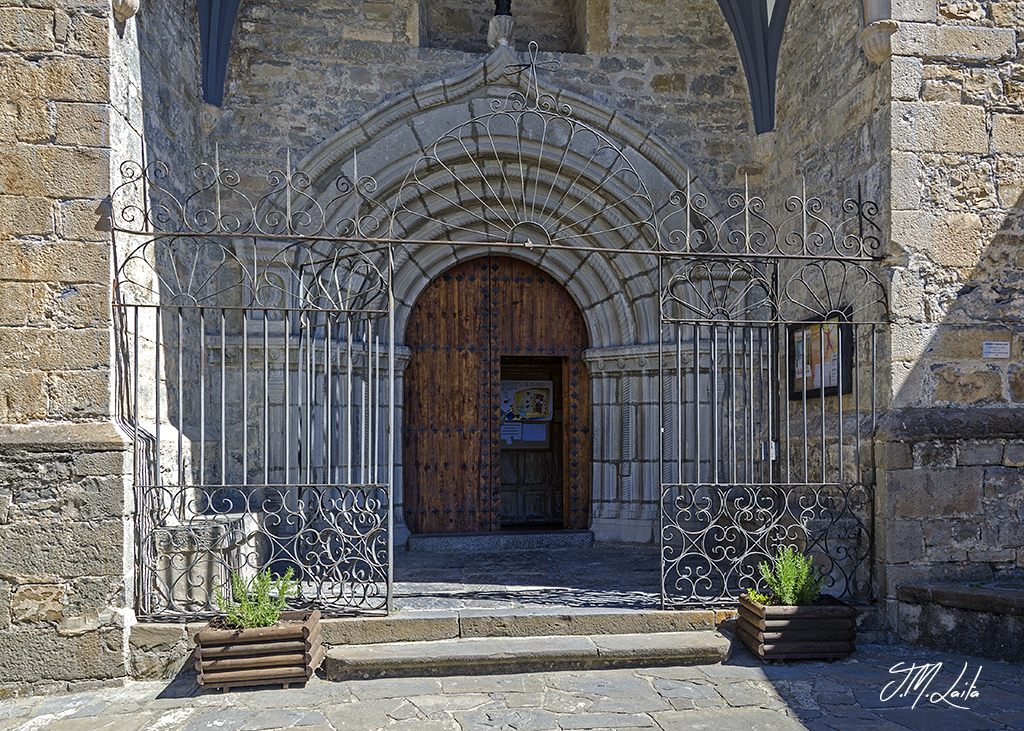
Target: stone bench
<point x="985" y="619"/>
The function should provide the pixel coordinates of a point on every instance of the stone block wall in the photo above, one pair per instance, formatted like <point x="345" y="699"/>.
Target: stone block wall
<point x="832" y="120"/>
<point x="299" y="73"/>
<point x="957" y="168"/>
<point x="949" y="504"/>
<point x="65" y="515"/>
<point x="72" y="110"/>
<point x="165" y="87"/>
<point x="950" y="499"/>
<point x="55" y="78"/>
<point x="63" y="501"/>
<point x="463" y="25"/>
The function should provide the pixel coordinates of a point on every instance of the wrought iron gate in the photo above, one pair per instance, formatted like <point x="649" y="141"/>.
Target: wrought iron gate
<point x="257" y="352"/>
<point x="257" y="349"/>
<point x="769" y="367"/>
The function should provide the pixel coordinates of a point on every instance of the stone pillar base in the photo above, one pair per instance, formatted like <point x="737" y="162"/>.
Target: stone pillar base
<point x="624" y="530"/>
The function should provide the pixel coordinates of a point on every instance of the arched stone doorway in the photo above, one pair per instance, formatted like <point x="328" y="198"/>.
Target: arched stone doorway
<point x="480" y="323"/>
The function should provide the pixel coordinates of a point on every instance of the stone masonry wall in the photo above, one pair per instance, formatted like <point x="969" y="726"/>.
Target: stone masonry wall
<point x="54" y="251"/>
<point x="831" y="107"/>
<point x="949" y="500"/>
<point x="952" y="497"/>
<point x="62" y="497"/>
<point x="63" y="556"/>
<point x="168" y="85"/>
<point x="299" y="73"/>
<point x="71" y="95"/>
<point x="958" y="180"/>
<point x="462" y="25"/>
<point x="832" y="119"/>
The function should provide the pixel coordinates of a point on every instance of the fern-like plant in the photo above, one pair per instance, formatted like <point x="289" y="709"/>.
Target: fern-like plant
<point x="792" y="578"/>
<point x="259" y="602"/>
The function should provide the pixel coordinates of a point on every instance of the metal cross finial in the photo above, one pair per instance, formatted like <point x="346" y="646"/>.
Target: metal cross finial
<point x="531" y="68"/>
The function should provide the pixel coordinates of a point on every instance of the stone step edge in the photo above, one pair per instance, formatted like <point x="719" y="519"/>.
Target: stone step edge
<point x="554" y="621"/>
<point x="483" y="655"/>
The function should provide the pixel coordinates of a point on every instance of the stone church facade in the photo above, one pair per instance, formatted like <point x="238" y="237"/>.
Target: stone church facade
<point x="919" y="107"/>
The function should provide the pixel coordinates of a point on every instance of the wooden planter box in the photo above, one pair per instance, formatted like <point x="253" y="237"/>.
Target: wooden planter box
<point x="823" y="631"/>
<point x="285" y="653"/>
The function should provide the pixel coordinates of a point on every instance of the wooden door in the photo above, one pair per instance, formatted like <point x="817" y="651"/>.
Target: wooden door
<point x="459" y="330"/>
<point x="532" y="478"/>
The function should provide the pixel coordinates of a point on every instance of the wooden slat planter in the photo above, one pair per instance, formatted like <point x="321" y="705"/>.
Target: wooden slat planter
<point x="824" y="631"/>
<point x="284" y="654"/>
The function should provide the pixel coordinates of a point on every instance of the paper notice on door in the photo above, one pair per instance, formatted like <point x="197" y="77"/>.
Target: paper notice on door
<point x="535" y="432"/>
<point x="511" y="430"/>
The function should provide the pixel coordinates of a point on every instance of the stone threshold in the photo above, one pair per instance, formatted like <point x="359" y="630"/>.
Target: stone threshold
<point x="158" y="646"/>
<point x="480" y="655"/>
<point x="993" y="597"/>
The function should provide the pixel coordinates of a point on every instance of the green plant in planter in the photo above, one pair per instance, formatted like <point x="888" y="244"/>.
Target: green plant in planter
<point x="259" y="602"/>
<point x="791" y="578"/>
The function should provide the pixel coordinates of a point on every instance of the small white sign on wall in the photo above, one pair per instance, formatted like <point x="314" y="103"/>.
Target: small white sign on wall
<point x="995" y="349"/>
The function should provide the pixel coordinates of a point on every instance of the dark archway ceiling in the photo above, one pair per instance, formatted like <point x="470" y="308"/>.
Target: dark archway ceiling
<point x="757" y="26"/>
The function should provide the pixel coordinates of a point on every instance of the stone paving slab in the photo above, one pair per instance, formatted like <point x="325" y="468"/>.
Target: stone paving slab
<point x="740" y="694"/>
<point x="566" y="577"/>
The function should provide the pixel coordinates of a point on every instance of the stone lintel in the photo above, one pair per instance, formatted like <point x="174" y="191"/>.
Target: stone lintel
<point x="957" y="423"/>
<point x="62" y="437"/>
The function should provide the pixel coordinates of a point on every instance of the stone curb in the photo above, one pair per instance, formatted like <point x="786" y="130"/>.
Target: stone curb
<point x="479" y="655"/>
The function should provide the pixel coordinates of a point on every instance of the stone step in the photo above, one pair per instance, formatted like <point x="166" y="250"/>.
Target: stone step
<point x="523" y="622"/>
<point x="480" y="655"/>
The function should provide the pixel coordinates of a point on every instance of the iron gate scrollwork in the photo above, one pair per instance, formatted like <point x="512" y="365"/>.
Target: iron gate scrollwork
<point x="256" y="351"/>
<point x="769" y="368"/>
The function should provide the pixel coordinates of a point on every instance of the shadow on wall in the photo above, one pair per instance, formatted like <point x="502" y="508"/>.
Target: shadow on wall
<point x="951" y="451"/>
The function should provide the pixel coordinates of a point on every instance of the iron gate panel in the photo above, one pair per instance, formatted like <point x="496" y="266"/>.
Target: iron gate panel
<point x="769" y="364"/>
<point x="259" y="374"/>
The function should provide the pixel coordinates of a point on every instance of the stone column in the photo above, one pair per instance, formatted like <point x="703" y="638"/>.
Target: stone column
<point x="626" y="427"/>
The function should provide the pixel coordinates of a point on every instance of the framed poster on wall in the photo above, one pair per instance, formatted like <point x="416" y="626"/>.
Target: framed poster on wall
<point x="820" y="357"/>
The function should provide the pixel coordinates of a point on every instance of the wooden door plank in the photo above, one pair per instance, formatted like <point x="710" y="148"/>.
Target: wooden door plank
<point x="442" y="403"/>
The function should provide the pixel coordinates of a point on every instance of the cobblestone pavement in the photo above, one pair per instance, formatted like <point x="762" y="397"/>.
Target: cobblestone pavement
<point x="602" y="576"/>
<point x="742" y="695"/>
